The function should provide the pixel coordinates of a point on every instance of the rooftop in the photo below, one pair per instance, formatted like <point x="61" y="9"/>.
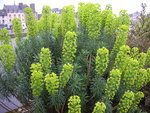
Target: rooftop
<point x="15" y="9"/>
<point x="3" y="13"/>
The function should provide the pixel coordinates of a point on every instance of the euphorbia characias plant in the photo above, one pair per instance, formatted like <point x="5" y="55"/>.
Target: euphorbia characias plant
<point x="113" y="83"/>
<point x="4" y="37"/>
<point x="31" y="23"/>
<point x="74" y="104"/>
<point x="37" y="79"/>
<point x="45" y="60"/>
<point x="100" y="107"/>
<point x="101" y="61"/>
<point x="65" y="74"/>
<point x="52" y="83"/>
<point x="18" y="30"/>
<point x="79" y="60"/>
<point x="122" y="58"/>
<point x="69" y="47"/>
<point x="90" y="17"/>
<point x="68" y="22"/>
<point x="126" y="102"/>
<point x="7" y="55"/>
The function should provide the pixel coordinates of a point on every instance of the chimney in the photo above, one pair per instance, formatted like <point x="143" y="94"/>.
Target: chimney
<point x="32" y="6"/>
<point x="21" y="5"/>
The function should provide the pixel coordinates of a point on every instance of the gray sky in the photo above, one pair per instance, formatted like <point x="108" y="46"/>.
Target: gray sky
<point x="117" y="5"/>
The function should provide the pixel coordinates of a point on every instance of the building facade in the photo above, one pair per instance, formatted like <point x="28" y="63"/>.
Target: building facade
<point x="9" y="12"/>
<point x="56" y="10"/>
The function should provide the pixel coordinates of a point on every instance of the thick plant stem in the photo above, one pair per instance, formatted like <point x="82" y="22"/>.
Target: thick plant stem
<point x="57" y="110"/>
<point x="89" y="67"/>
<point x="63" y="106"/>
<point x="92" y="97"/>
<point x="116" y="107"/>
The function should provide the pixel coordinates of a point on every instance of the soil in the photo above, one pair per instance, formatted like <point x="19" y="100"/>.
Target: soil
<point x="145" y="102"/>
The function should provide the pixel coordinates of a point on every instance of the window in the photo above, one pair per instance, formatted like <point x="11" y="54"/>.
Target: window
<point x="3" y="16"/>
<point x="9" y="15"/>
<point x="9" y="20"/>
<point x="3" y="21"/>
<point x="14" y="15"/>
<point x="0" y="21"/>
<point x="19" y="15"/>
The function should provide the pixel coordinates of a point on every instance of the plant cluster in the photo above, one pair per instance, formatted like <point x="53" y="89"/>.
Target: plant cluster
<point x="76" y="63"/>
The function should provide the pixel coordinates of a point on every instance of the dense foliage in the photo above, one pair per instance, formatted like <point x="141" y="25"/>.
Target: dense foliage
<point x="75" y="63"/>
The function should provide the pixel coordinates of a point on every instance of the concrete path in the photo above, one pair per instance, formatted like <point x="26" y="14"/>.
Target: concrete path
<point x="6" y="106"/>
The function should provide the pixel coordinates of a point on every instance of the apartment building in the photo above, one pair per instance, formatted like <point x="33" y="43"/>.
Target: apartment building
<point x="9" y="12"/>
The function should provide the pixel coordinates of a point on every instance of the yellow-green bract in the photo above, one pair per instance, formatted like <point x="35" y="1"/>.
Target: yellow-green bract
<point x="55" y="25"/>
<point x="124" y="18"/>
<point x="148" y="74"/>
<point x="4" y="37"/>
<point x="148" y="57"/>
<point x="110" y="24"/>
<point x="121" y="58"/>
<point x="101" y="61"/>
<point x="134" y="53"/>
<point x="7" y="56"/>
<point x="65" y="74"/>
<point x="100" y="107"/>
<point x="69" y="48"/>
<point x="74" y="104"/>
<point x="141" y="79"/>
<point x="18" y="31"/>
<point x="121" y="38"/>
<point x="37" y="79"/>
<point x="31" y="23"/>
<point x="130" y="73"/>
<point x="68" y="22"/>
<point x="105" y="13"/>
<point x="113" y="83"/>
<point x="90" y="17"/>
<point x="45" y="19"/>
<point x="52" y="83"/>
<point x="142" y="59"/>
<point x="137" y="98"/>
<point x="45" y="60"/>
<point x="126" y="102"/>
